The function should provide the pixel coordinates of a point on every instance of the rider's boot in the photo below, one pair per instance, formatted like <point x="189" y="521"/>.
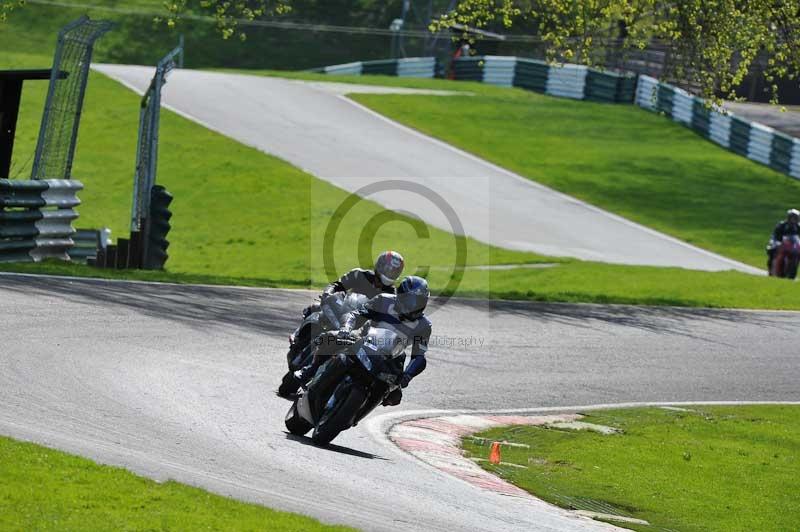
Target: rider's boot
<point x="292" y="381"/>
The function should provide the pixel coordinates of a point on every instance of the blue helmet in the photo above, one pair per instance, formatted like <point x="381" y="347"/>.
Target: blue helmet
<point x="412" y="297"/>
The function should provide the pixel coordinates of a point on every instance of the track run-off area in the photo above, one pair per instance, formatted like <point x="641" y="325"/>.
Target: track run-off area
<point x="315" y="127"/>
<point x="178" y="381"/>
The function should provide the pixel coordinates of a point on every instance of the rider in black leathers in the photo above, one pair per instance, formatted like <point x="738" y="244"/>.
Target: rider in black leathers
<point x="404" y="313"/>
<point x="380" y="280"/>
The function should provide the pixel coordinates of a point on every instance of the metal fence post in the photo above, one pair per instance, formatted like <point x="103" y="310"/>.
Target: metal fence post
<point x="58" y="132"/>
<point x="147" y="148"/>
<point x="147" y="141"/>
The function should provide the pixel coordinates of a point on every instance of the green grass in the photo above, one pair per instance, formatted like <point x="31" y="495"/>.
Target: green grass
<point x="243" y="217"/>
<point x="44" y="489"/>
<point x="629" y="161"/>
<point x="712" y="469"/>
<point x="237" y="211"/>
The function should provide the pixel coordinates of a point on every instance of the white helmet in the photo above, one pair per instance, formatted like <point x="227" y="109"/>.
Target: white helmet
<point x="792" y="212"/>
<point x="389" y="267"/>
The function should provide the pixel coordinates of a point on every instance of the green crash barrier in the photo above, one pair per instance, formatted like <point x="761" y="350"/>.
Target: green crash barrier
<point x="701" y="117"/>
<point x="468" y="69"/>
<point x="531" y="74"/>
<point x="740" y="136"/>
<point x="780" y="158"/>
<point x="609" y="87"/>
<point x="383" y="68"/>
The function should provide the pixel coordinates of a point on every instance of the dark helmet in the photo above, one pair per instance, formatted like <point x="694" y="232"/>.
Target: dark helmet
<point x="412" y="297"/>
<point x="389" y="266"/>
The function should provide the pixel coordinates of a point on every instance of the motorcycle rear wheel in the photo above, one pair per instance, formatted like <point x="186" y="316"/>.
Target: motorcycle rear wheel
<point x="340" y="420"/>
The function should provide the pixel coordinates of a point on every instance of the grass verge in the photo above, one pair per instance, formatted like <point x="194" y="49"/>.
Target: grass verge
<point x="237" y="211"/>
<point x="618" y="157"/>
<point x="242" y="217"/>
<point x="710" y="468"/>
<point x="44" y="489"/>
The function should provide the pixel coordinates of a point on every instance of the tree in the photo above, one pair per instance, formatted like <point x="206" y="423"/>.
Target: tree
<point x="226" y="13"/>
<point x="712" y="43"/>
<point x="7" y="6"/>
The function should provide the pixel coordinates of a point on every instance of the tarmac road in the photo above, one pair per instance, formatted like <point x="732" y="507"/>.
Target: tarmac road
<point x="315" y="127"/>
<point x="178" y="381"/>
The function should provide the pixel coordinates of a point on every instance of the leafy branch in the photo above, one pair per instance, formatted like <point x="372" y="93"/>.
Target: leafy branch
<point x="712" y="44"/>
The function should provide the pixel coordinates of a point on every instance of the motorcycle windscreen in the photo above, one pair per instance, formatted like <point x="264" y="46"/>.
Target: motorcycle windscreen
<point x="385" y="342"/>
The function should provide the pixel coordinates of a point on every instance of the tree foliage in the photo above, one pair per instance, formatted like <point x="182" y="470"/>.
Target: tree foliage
<point x="712" y="43"/>
<point x="226" y="13"/>
<point x="7" y="6"/>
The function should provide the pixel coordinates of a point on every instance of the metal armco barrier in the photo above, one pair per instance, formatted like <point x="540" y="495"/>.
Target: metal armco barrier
<point x="36" y="218"/>
<point x="564" y="80"/>
<point x="608" y="86"/>
<point x="410" y="67"/>
<point x="499" y="71"/>
<point x="755" y="141"/>
<point x="88" y="243"/>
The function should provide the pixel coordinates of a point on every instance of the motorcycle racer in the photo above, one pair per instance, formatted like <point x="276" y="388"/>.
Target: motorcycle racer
<point x="380" y="280"/>
<point x="788" y="227"/>
<point x="403" y="313"/>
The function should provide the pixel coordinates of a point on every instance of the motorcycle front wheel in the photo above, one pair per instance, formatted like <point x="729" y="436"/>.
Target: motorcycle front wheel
<point x="340" y="418"/>
<point x="791" y="268"/>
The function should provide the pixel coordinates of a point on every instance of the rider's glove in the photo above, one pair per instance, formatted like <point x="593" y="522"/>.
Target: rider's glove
<point x="308" y="310"/>
<point x="324" y="295"/>
<point x="404" y="380"/>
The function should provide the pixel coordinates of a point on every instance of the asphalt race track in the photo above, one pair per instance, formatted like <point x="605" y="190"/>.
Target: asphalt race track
<point x="178" y="382"/>
<point x="316" y="128"/>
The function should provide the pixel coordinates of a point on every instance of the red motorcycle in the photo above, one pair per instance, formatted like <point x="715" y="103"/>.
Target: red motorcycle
<point x="787" y="257"/>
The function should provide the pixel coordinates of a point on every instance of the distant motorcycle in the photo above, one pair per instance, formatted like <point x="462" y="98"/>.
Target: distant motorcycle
<point x="787" y="257"/>
<point x="332" y="311"/>
<point x="349" y="385"/>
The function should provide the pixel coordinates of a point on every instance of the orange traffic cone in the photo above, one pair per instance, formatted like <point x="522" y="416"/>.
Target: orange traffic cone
<point x="494" y="454"/>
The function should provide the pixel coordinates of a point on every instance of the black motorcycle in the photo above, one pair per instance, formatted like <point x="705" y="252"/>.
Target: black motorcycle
<point x="332" y="310"/>
<point x="349" y="385"/>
